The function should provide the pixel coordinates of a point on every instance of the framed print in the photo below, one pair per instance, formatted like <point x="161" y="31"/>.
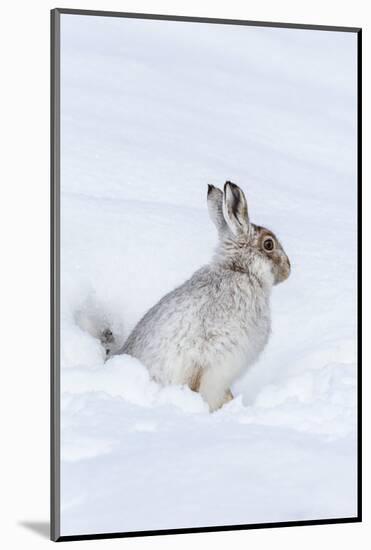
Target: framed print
<point x="206" y="368"/>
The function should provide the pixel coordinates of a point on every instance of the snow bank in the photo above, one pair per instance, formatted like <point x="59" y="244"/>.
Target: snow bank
<point x="149" y="117"/>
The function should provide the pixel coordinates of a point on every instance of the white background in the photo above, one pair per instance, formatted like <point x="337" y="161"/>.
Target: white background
<point x="25" y="266"/>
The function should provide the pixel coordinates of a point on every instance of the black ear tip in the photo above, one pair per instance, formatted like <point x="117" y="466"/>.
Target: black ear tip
<point x="233" y="186"/>
<point x="230" y="184"/>
<point x="209" y="188"/>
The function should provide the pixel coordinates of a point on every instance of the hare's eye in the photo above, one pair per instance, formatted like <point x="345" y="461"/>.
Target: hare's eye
<point x="268" y="244"/>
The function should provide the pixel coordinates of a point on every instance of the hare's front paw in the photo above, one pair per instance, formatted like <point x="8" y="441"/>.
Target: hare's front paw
<point x="212" y="392"/>
<point x="215" y="405"/>
<point x="228" y="397"/>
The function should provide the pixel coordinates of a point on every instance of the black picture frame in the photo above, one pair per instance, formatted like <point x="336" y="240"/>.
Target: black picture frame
<point x="55" y="274"/>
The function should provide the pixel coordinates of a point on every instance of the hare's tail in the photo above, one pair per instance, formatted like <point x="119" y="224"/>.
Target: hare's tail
<point x="108" y="341"/>
<point x="101" y="324"/>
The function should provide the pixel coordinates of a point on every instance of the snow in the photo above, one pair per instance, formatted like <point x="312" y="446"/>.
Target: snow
<point x="151" y="112"/>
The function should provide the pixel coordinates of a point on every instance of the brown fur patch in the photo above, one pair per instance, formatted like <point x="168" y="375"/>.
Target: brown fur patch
<point x="228" y="396"/>
<point x="195" y="380"/>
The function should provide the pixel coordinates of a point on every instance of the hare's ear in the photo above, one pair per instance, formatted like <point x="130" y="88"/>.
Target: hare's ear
<point x="235" y="209"/>
<point x="215" y="206"/>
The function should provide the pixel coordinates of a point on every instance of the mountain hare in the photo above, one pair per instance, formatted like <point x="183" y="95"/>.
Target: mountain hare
<point x="209" y="330"/>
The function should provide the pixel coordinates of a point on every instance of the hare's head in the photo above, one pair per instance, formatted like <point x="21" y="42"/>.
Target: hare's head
<point x="244" y="245"/>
